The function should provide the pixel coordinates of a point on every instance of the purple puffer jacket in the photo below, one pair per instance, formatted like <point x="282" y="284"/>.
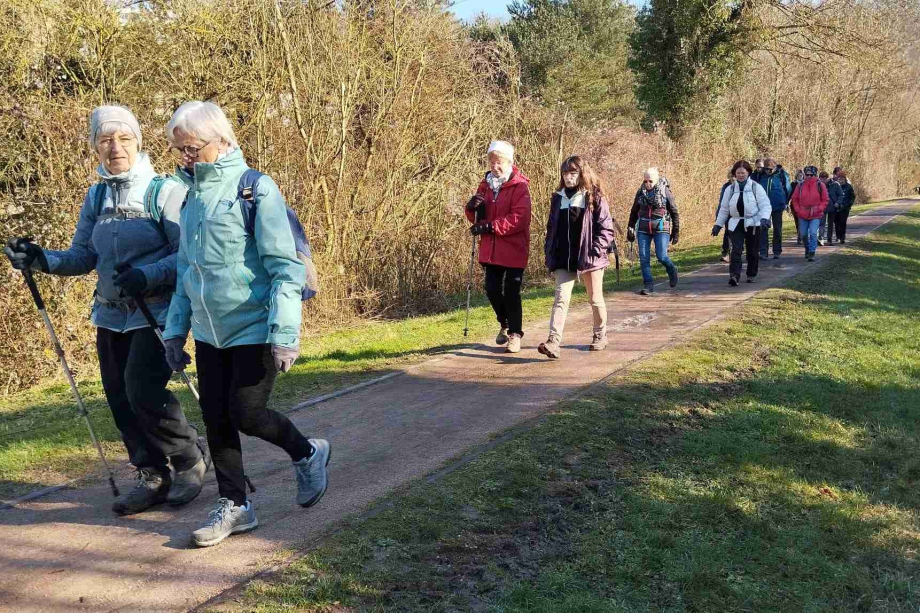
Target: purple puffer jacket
<point x="596" y="234"/>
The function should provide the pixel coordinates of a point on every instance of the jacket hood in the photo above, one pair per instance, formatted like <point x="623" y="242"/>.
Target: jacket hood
<point x="517" y="177"/>
<point x="142" y="170"/>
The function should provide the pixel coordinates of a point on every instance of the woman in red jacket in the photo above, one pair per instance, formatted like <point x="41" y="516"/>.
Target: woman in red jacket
<point x="809" y="199"/>
<point x="500" y="213"/>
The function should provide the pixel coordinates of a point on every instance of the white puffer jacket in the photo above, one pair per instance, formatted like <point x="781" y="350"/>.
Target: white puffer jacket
<point x="756" y="206"/>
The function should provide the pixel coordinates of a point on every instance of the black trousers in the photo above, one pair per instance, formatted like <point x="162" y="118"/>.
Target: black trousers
<point x="840" y="223"/>
<point x="777" y="220"/>
<point x="235" y="384"/>
<point x="745" y="241"/>
<point x="726" y="244"/>
<point x="503" y="287"/>
<point x="152" y="425"/>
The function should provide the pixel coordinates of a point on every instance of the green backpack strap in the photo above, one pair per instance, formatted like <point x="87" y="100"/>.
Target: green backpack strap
<point x="152" y="198"/>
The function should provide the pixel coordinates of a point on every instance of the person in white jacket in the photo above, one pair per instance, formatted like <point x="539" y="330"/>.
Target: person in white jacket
<point x="744" y="201"/>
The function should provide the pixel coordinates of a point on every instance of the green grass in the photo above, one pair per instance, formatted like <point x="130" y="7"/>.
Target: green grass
<point x="770" y="463"/>
<point x="44" y="441"/>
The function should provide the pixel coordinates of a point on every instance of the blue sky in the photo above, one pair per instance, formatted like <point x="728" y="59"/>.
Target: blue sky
<point x="467" y="9"/>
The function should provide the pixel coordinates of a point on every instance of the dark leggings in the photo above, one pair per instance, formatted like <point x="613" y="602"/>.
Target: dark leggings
<point x="235" y="385"/>
<point x="503" y="287"/>
<point x="148" y="416"/>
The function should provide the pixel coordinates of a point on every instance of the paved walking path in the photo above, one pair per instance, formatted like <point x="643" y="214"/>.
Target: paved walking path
<point x="68" y="552"/>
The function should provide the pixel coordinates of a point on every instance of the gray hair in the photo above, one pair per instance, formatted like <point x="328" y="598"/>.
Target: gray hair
<point x="205" y="120"/>
<point x="652" y="174"/>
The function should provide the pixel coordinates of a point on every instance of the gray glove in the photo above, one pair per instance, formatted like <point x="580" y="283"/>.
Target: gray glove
<point x="176" y="356"/>
<point x="285" y="357"/>
<point x="765" y="224"/>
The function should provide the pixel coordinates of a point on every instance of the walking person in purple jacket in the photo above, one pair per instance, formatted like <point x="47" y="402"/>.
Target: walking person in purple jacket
<point x="578" y="232"/>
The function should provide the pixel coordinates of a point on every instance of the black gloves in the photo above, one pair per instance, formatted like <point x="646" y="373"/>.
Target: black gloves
<point x="716" y="229"/>
<point x="478" y="206"/>
<point x="25" y="254"/>
<point x="630" y="234"/>
<point x="674" y="238"/>
<point x="481" y="228"/>
<point x="765" y="224"/>
<point x="131" y="282"/>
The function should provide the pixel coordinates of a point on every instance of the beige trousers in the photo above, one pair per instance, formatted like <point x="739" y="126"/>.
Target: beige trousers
<point x="565" y="282"/>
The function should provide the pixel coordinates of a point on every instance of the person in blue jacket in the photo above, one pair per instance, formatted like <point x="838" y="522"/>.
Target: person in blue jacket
<point x="240" y="295"/>
<point x="122" y="221"/>
<point x="775" y="181"/>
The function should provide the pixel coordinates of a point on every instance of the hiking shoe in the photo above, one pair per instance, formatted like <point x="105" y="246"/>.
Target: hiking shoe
<point x="187" y="484"/>
<point x="502" y="338"/>
<point x="599" y="342"/>
<point x="724" y="258"/>
<point x="810" y="257"/>
<point x="311" y="473"/>
<point x="514" y="343"/>
<point x="775" y="256"/>
<point x="550" y="348"/>
<point x="225" y="519"/>
<point x="648" y="290"/>
<point x="751" y="279"/>
<point x="672" y="278"/>
<point x="821" y="242"/>
<point x="151" y="489"/>
<point x="843" y="241"/>
<point x="733" y="281"/>
<point x="763" y="256"/>
<point x="798" y="241"/>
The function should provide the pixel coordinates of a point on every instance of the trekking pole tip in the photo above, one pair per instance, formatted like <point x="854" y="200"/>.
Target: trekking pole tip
<point x="115" y="491"/>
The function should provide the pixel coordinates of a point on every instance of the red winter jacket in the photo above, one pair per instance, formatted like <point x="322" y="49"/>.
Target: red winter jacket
<point x="810" y="199"/>
<point x="509" y="243"/>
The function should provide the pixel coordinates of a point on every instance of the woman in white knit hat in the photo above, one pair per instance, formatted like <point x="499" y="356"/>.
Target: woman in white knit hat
<point x="128" y="233"/>
<point x="500" y="214"/>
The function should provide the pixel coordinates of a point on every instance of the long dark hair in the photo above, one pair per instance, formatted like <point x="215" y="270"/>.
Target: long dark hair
<point x="587" y="178"/>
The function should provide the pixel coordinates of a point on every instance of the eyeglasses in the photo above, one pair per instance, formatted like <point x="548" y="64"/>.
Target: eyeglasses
<point x="190" y="151"/>
<point x="648" y="182"/>
<point x="810" y="174"/>
<point x="107" y="142"/>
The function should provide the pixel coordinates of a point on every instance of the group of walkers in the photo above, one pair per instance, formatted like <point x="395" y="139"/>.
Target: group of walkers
<point x="182" y="245"/>
<point x="820" y="205"/>
<point x="212" y="249"/>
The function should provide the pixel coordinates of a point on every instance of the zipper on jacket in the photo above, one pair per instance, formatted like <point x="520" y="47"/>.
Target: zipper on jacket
<point x="201" y="277"/>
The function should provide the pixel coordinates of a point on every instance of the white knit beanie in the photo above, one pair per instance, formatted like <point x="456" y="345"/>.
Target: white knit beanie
<point x="502" y="148"/>
<point x="112" y="113"/>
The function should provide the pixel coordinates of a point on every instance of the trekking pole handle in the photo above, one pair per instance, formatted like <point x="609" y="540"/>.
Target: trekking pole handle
<point x="30" y="281"/>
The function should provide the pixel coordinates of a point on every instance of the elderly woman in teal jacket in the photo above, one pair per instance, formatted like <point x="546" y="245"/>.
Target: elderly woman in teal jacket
<point x="239" y="293"/>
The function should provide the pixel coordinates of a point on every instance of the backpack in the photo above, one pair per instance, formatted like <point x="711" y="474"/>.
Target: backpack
<point x="151" y="210"/>
<point x="246" y="192"/>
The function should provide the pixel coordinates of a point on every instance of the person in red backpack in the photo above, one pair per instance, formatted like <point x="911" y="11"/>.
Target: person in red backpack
<point x="809" y="201"/>
<point x="500" y="213"/>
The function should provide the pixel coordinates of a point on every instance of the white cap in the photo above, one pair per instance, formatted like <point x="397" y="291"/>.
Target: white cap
<point x="112" y="113"/>
<point x="502" y="148"/>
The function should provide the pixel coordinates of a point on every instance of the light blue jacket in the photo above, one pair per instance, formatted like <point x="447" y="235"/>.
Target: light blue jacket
<point x="123" y="235"/>
<point x="235" y="289"/>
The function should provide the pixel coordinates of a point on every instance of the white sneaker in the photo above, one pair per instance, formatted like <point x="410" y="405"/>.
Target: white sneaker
<point x="225" y="519"/>
<point x="514" y="343"/>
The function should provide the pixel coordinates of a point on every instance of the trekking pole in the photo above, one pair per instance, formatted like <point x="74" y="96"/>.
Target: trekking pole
<point x="469" y="283"/>
<point x="152" y="322"/>
<point x="469" y="288"/>
<point x="40" y="304"/>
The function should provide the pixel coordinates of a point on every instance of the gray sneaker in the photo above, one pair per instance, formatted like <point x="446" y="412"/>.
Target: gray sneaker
<point x="225" y="519"/>
<point x="151" y="489"/>
<point x="312" y="474"/>
<point x="599" y="342"/>
<point x="187" y="484"/>
<point x="502" y="337"/>
<point x="550" y="348"/>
